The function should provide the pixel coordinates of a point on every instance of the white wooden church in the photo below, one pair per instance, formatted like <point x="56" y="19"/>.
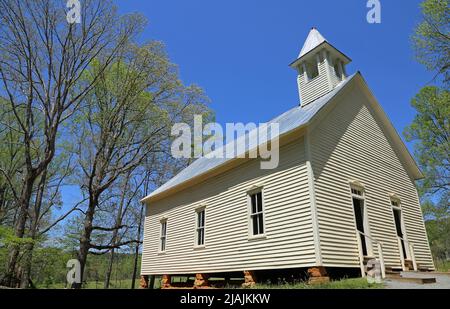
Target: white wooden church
<point x="343" y="193"/>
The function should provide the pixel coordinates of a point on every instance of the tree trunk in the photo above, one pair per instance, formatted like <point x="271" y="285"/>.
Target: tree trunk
<point x="115" y="239"/>
<point x="136" y="250"/>
<point x="2" y="201"/>
<point x="85" y="240"/>
<point x="11" y="276"/>
<point x="109" y="270"/>
<point x="26" y="275"/>
<point x="27" y="262"/>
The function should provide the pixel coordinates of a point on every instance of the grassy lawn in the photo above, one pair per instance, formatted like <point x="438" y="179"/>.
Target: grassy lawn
<point x="355" y="283"/>
<point x="119" y="284"/>
<point x="442" y="266"/>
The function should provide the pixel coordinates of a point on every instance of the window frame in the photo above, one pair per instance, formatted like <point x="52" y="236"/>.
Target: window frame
<point x="162" y="249"/>
<point x="337" y="70"/>
<point x="397" y="201"/>
<point x="250" y="193"/>
<point x="312" y="69"/>
<point x="199" y="210"/>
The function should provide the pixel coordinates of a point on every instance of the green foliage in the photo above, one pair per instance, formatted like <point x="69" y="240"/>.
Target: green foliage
<point x="49" y="266"/>
<point x="438" y="227"/>
<point x="432" y="37"/>
<point x="49" y="269"/>
<point x="443" y="266"/>
<point x="7" y="237"/>
<point x="431" y="129"/>
<point x="354" y="283"/>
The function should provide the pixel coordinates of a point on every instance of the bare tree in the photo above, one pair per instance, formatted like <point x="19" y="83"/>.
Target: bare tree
<point x="43" y="58"/>
<point x="156" y="171"/>
<point x="128" y="117"/>
<point x="129" y="192"/>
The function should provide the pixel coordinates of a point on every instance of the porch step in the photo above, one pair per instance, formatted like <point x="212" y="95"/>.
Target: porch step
<point x="393" y="275"/>
<point x="409" y="265"/>
<point x="394" y="269"/>
<point x="439" y="273"/>
<point x="412" y="280"/>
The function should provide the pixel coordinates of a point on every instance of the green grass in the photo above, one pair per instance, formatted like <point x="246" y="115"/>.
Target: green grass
<point x="356" y="283"/>
<point x="442" y="266"/>
<point x="119" y="284"/>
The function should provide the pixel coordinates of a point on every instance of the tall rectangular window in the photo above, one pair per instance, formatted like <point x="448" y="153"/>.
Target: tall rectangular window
<point x="361" y="219"/>
<point x="399" y="227"/>
<point x="256" y="213"/>
<point x="163" y="239"/>
<point x="200" y="228"/>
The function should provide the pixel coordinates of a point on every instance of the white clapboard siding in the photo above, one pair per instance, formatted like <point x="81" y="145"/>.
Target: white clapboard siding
<point x="334" y="77"/>
<point x="349" y="144"/>
<point x="315" y="88"/>
<point x="288" y="224"/>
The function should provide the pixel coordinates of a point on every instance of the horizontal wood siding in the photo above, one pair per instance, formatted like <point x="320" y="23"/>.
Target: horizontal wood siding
<point x="288" y="224"/>
<point x="334" y="77"/>
<point x="349" y="144"/>
<point x="315" y="88"/>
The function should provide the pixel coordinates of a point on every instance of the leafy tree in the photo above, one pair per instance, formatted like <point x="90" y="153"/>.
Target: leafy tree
<point x="42" y="59"/>
<point x="431" y="132"/>
<point x="125" y="120"/>
<point x="431" y="129"/>
<point x="11" y="163"/>
<point x="432" y="37"/>
<point x="438" y="227"/>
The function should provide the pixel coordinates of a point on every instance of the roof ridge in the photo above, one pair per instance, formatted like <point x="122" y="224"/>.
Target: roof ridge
<point x="292" y="119"/>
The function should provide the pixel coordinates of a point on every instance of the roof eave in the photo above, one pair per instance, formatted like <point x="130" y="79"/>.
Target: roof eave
<point x="323" y="44"/>
<point x="414" y="168"/>
<point x="195" y="179"/>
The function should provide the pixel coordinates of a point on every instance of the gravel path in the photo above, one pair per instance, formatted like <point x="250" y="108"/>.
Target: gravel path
<point x="442" y="281"/>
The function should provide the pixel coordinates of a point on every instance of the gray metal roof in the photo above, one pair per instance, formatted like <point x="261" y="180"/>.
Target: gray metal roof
<point x="288" y="121"/>
<point x="313" y="40"/>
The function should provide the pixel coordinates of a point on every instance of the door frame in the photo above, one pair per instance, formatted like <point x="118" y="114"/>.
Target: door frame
<point x="366" y="225"/>
<point x="402" y="227"/>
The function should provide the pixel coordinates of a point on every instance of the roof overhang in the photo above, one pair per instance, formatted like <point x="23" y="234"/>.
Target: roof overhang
<point x="284" y="139"/>
<point x="399" y="146"/>
<point x="334" y="52"/>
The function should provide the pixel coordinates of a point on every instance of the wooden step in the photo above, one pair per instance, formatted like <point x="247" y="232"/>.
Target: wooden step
<point x="393" y="275"/>
<point x="393" y="271"/>
<point x="414" y="280"/>
<point x="409" y="265"/>
<point x="439" y="273"/>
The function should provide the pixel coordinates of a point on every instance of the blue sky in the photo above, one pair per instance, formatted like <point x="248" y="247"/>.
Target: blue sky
<point x="239" y="51"/>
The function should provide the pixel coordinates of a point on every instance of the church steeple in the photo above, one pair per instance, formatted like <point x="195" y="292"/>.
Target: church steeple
<point x="320" y="67"/>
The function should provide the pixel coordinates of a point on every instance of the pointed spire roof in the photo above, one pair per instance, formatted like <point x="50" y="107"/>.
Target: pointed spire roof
<point x="313" y="40"/>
